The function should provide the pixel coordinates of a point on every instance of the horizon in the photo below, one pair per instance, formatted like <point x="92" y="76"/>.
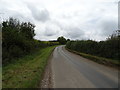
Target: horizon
<point x="80" y="19"/>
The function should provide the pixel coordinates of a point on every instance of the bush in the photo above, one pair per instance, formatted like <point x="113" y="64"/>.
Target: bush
<point x="108" y="49"/>
<point x="18" y="40"/>
<point x="15" y="51"/>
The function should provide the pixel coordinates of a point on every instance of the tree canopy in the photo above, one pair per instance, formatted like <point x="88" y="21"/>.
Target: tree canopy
<point x="61" y="40"/>
<point x="18" y="39"/>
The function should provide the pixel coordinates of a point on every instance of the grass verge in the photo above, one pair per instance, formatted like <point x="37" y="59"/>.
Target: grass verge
<point x="0" y="77"/>
<point x="27" y="71"/>
<point x="100" y="60"/>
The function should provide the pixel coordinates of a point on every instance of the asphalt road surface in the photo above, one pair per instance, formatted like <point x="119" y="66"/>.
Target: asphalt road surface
<point x="73" y="71"/>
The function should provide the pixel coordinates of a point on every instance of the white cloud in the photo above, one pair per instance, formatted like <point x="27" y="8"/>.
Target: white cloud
<point x="51" y="30"/>
<point x="39" y="14"/>
<point x="75" y="19"/>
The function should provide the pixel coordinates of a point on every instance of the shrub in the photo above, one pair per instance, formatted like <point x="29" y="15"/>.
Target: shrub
<point x="109" y="48"/>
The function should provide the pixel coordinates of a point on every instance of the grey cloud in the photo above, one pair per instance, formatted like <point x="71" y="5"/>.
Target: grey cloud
<point x="5" y="13"/>
<point x="21" y="17"/>
<point x="39" y="15"/>
<point x="100" y="28"/>
<point x="108" y="27"/>
<point x="75" y="32"/>
<point x="76" y="22"/>
<point x="51" y="30"/>
<point x="70" y="31"/>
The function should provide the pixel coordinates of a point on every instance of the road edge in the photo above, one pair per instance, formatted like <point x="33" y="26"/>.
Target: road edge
<point x="103" y="62"/>
<point x="46" y="81"/>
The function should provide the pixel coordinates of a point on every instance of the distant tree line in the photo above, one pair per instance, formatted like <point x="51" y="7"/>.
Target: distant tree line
<point x="109" y="48"/>
<point x="18" y="40"/>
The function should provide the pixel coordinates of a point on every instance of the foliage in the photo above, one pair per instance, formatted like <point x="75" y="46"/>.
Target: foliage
<point x="53" y="42"/>
<point x="26" y="72"/>
<point x="100" y="60"/>
<point x="68" y="40"/>
<point x="108" y="49"/>
<point x="61" y="40"/>
<point x="18" y="40"/>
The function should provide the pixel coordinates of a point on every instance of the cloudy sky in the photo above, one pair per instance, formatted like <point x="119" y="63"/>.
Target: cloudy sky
<point x="74" y="19"/>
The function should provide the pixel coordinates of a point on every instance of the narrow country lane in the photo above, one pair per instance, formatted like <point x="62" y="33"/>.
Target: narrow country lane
<point x="73" y="71"/>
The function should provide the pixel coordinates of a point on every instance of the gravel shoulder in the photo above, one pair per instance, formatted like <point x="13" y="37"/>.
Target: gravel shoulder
<point x="47" y="75"/>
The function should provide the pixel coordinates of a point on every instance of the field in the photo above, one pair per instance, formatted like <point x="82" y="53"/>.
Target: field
<point x="27" y="71"/>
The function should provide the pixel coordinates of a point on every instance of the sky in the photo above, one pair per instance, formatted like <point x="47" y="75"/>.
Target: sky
<point x="73" y="19"/>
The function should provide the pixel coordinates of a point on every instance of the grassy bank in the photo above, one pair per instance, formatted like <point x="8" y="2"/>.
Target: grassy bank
<point x="0" y="77"/>
<point x="26" y="72"/>
<point x="100" y="60"/>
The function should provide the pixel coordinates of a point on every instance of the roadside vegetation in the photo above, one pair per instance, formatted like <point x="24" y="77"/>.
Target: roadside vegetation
<point x="100" y="60"/>
<point x="27" y="71"/>
<point x="98" y="51"/>
<point x="18" y="40"/>
<point x="23" y="57"/>
<point x="62" y="40"/>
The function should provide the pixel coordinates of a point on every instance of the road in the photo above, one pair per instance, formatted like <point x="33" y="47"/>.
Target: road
<point x="73" y="71"/>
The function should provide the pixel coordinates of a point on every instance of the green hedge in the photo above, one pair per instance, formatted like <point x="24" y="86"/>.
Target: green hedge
<point x="108" y="49"/>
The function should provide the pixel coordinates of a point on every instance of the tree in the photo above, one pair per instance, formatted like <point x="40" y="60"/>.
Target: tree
<point x="108" y="48"/>
<point x="68" y="40"/>
<point x="62" y="40"/>
<point x="17" y="39"/>
<point x="28" y="30"/>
